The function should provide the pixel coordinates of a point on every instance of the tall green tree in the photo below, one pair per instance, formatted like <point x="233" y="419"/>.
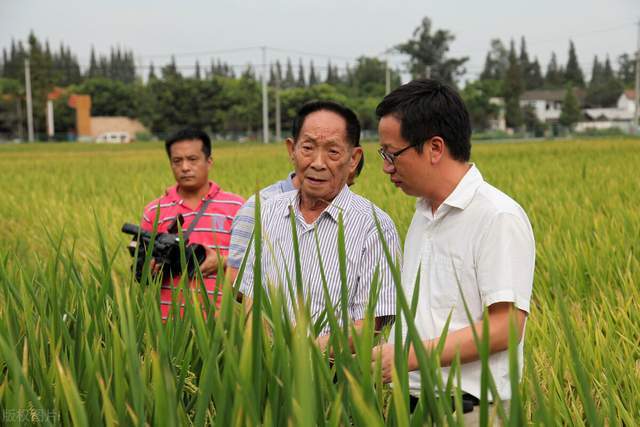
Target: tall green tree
<point x="531" y="74"/>
<point x="41" y="80"/>
<point x="170" y="71"/>
<point x="301" y="80"/>
<point x="533" y="78"/>
<point x="332" y="75"/>
<point x="513" y="88"/>
<point x="524" y="56"/>
<point x="110" y="97"/>
<point x="570" y="114"/>
<point x="554" y="78"/>
<point x="573" y="73"/>
<point x="477" y="97"/>
<point x="604" y="88"/>
<point x="627" y="70"/>
<point x="428" y="53"/>
<point x="369" y="77"/>
<point x="496" y="62"/>
<point x="313" y="79"/>
<point x="289" y="79"/>
<point x="152" y="73"/>
<point x="11" y="111"/>
<point x="93" y="64"/>
<point x="275" y="74"/>
<point x="196" y="73"/>
<point x="240" y="106"/>
<point x="14" y="65"/>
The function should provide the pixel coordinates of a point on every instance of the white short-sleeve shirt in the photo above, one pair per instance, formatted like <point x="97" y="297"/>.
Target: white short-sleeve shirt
<point x="482" y="240"/>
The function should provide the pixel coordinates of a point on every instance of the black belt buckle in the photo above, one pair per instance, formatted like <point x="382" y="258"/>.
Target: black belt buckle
<point x="468" y="402"/>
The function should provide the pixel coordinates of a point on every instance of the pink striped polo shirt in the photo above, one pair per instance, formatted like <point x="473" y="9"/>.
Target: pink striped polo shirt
<point x="212" y="230"/>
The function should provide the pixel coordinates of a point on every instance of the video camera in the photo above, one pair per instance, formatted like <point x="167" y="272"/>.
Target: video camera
<point x="166" y="251"/>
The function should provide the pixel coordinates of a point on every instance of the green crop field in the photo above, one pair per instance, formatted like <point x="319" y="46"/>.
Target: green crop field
<point x="82" y="344"/>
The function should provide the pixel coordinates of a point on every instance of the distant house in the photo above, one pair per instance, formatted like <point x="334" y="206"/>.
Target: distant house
<point x="103" y="129"/>
<point x="621" y="116"/>
<point x="547" y="103"/>
<point x="627" y="101"/>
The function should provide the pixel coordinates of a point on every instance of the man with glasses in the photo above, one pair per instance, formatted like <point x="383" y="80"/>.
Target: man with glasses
<point x="467" y="239"/>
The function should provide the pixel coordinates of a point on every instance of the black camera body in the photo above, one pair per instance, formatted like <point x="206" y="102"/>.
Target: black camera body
<point x="165" y="251"/>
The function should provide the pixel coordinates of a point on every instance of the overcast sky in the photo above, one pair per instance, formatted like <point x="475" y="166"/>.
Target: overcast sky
<point x="337" y="29"/>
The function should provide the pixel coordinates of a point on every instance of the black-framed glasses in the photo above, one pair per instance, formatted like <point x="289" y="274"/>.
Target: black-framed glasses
<point x="391" y="157"/>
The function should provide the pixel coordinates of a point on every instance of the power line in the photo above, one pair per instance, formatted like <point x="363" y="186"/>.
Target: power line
<point x="200" y="53"/>
<point x="587" y="33"/>
<point x="316" y="54"/>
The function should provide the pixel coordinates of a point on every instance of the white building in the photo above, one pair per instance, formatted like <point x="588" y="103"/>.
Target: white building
<point x="547" y="103"/>
<point x="621" y="116"/>
<point x="627" y="101"/>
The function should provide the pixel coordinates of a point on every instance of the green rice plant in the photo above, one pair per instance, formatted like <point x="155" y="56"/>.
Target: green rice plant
<point x="82" y="343"/>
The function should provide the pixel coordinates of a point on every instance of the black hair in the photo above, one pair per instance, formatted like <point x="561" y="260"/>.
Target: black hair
<point x="428" y="108"/>
<point x="360" y="165"/>
<point x="188" y="134"/>
<point x="353" y="124"/>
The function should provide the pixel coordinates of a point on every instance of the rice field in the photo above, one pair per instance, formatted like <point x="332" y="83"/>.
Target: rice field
<point x="81" y="344"/>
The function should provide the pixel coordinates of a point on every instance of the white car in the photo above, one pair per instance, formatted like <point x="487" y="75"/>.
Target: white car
<point x="114" y="138"/>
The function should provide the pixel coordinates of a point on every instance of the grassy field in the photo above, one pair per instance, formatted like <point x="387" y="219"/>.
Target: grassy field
<point x="80" y="344"/>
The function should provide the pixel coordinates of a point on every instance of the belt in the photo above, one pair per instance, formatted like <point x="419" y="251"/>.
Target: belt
<point x="468" y="402"/>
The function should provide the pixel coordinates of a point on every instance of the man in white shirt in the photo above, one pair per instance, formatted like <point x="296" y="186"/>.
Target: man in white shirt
<point x="467" y="238"/>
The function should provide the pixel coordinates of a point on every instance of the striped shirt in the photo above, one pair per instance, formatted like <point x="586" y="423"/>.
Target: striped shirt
<point x="242" y="227"/>
<point x="213" y="230"/>
<point x="364" y="254"/>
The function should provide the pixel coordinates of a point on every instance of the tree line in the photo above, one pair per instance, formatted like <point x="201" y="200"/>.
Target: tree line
<point x="228" y="103"/>
<point x="509" y="72"/>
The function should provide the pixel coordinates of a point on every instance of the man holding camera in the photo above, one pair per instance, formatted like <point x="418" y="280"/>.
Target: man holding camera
<point x="193" y="198"/>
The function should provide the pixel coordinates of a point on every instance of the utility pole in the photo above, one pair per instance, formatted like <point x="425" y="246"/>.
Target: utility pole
<point x="636" y="116"/>
<point x="20" y="120"/>
<point x="50" y="127"/>
<point x="278" y="114"/>
<point x="265" y="106"/>
<point x="27" y="84"/>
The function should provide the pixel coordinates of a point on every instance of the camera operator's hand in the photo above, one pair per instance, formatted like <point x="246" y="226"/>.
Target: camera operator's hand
<point x="210" y="264"/>
<point x="154" y="266"/>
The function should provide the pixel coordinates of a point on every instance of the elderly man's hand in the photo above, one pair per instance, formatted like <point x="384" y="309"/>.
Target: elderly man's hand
<point x="323" y="342"/>
<point x="210" y="264"/>
<point x="385" y="354"/>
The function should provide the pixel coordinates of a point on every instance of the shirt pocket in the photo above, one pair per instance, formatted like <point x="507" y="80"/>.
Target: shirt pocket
<point x="444" y="279"/>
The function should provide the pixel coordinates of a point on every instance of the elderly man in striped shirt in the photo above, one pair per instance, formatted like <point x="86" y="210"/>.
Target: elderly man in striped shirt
<point x="242" y="227"/>
<point x="189" y="152"/>
<point x="325" y="149"/>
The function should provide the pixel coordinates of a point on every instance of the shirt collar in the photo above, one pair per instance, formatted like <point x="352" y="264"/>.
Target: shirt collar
<point x="172" y="192"/>
<point x="339" y="204"/>
<point x="286" y="185"/>
<point x="462" y="195"/>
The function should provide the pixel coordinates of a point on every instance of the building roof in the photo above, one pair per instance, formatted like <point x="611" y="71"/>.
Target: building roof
<point x="611" y="114"/>
<point x="551" y="95"/>
<point x="103" y="124"/>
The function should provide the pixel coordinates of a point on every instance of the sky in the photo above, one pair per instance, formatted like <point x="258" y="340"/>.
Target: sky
<point x="336" y="30"/>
